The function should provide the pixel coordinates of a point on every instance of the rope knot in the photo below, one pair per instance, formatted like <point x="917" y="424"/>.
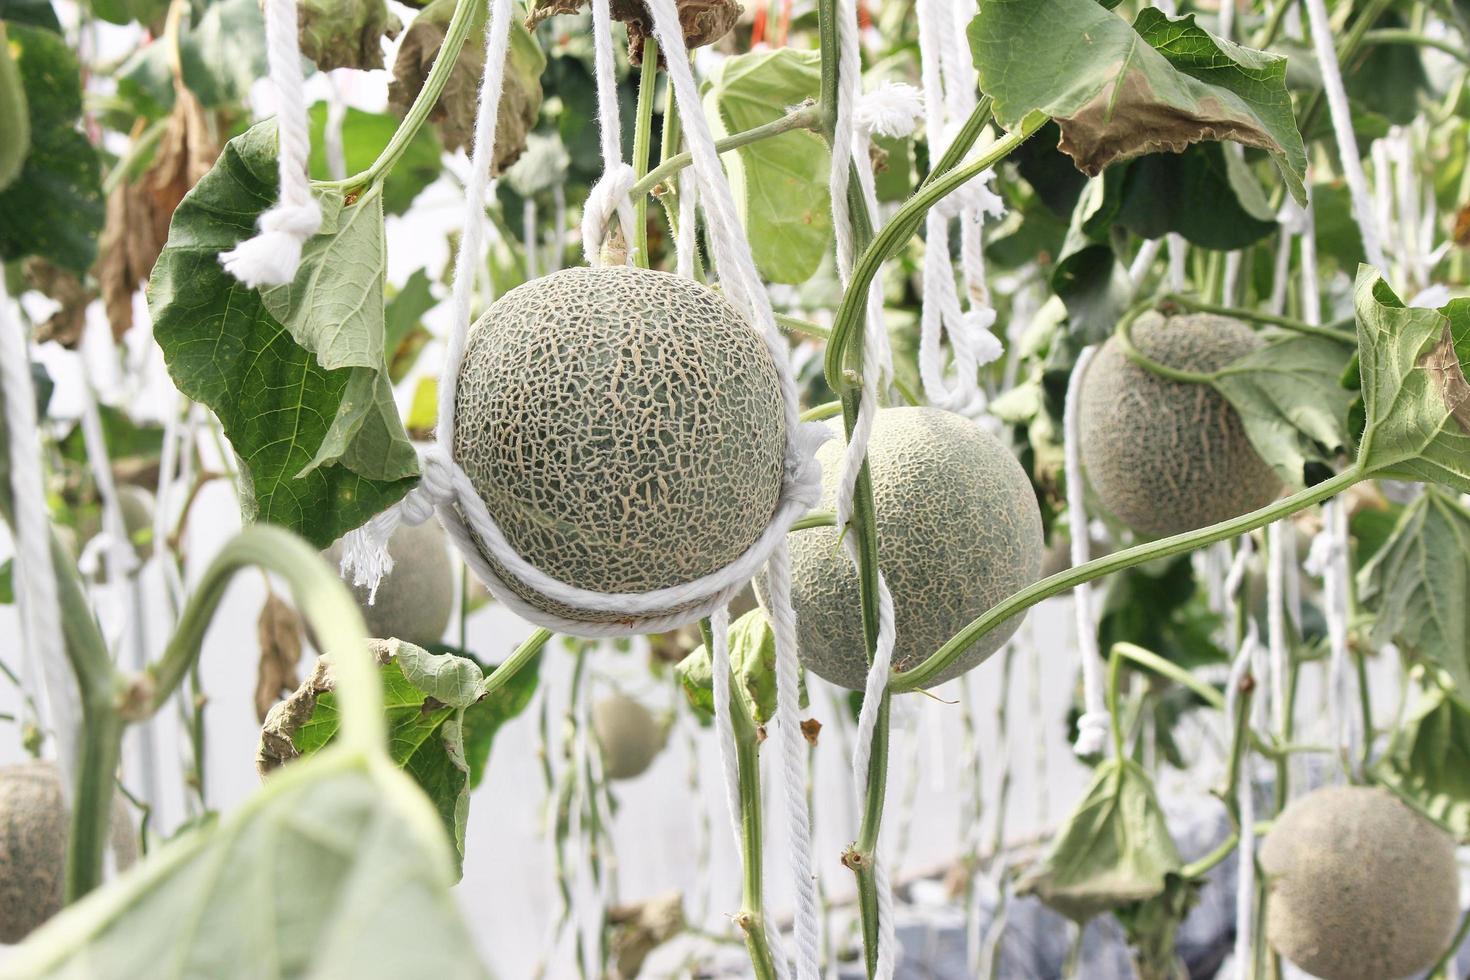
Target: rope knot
<point x="803" y="470"/>
<point x="608" y="197"/>
<point x="975" y="326"/>
<point x="1092" y="733"/>
<point x="272" y="257"/>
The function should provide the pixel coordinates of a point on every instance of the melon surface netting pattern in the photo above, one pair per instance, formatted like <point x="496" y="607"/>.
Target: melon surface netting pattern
<point x="624" y="428"/>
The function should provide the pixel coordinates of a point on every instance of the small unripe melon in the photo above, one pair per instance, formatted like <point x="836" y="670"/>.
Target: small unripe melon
<point x="415" y="600"/>
<point x="959" y="529"/>
<point x="1361" y="886"/>
<point x="1169" y="456"/>
<point x="34" y="826"/>
<point x="624" y="427"/>
<point x="628" y="736"/>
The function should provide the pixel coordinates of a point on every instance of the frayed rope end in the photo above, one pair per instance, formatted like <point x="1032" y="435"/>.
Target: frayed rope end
<point x="272" y="257"/>
<point x="893" y="109"/>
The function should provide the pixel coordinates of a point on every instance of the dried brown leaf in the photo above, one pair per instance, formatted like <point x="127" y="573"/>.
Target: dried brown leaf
<point x="810" y="730"/>
<point x="277" y="746"/>
<point x="279" y="630"/>
<point x="1442" y="364"/>
<point x="641" y="927"/>
<point x="65" y="326"/>
<point x="704" y="22"/>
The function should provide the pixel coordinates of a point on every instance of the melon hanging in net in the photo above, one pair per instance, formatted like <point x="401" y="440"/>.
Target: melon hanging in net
<point x="625" y="429"/>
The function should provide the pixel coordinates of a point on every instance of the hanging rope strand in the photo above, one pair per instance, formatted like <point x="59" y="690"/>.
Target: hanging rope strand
<point x="272" y="257"/>
<point x="609" y="196"/>
<point x="1092" y="727"/>
<point x="45" y="663"/>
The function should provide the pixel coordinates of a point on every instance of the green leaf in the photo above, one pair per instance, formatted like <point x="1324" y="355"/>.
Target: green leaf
<point x="145" y="12"/>
<point x="1206" y="194"/>
<point x="425" y="697"/>
<point x="1158" y="606"/>
<point x="125" y="438"/>
<point x="285" y="414"/>
<point x="780" y="184"/>
<point x="1113" y="850"/>
<point x="1088" y="278"/>
<point x="1118" y="91"/>
<point x="37" y="13"/>
<point x="1389" y="79"/>
<point x="1418" y="584"/>
<point x="1429" y="760"/>
<point x="222" y="54"/>
<point x="752" y="661"/>
<point x="15" y="119"/>
<point x="1291" y="401"/>
<point x="7" y="582"/>
<point x="54" y="207"/>
<point x="364" y="135"/>
<point x="334" y="867"/>
<point x="1413" y="364"/>
<point x="482" y="720"/>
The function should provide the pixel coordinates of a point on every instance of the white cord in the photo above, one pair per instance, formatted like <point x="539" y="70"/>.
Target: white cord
<point x="1276" y="561"/>
<point x="45" y="662"/>
<point x="271" y="257"/>
<point x="686" y="243"/>
<point x="1092" y="727"/>
<point x="1178" y="250"/>
<point x="1144" y="260"/>
<point x="1342" y="128"/>
<point x="609" y="195"/>
<point x="332" y="132"/>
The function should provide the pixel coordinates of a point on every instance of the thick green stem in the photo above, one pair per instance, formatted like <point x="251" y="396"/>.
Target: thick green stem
<point x="963" y="140"/>
<point x="642" y="140"/>
<point x="1393" y="35"/>
<point x="1342" y="336"/>
<point x="1056" y="584"/>
<point x="802" y="117"/>
<point x="460" y="25"/>
<point x="512" y="665"/>
<point x="751" y="917"/>
<point x="895" y="235"/>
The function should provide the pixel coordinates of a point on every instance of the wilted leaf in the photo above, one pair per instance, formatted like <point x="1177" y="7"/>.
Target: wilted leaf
<point x="454" y="113"/>
<point x="640" y="928"/>
<point x="224" y="348"/>
<point x="1118" y="91"/>
<point x="1413" y="364"/>
<point x="53" y="208"/>
<point x="1419" y="582"/>
<point x="1113" y="850"/>
<point x="333" y="868"/>
<point x="66" y="325"/>
<point x="279" y="630"/>
<point x="780" y="184"/>
<point x="345" y="33"/>
<point x="704" y="21"/>
<point x="1429" y="760"/>
<point x="1291" y="401"/>
<point x="222" y="54"/>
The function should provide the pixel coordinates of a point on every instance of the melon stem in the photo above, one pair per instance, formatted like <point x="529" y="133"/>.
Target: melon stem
<point x="642" y="140"/>
<point x="917" y="677"/>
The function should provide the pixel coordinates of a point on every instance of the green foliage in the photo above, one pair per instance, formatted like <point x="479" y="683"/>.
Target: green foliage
<point x="1429" y="760"/>
<point x="53" y="207"/>
<point x="1114" y="849"/>
<point x="321" y="449"/>
<point x="441" y="725"/>
<point x="7" y="582"/>
<point x="1418" y="583"/>
<point x="1088" y="277"/>
<point x="779" y="184"/>
<point x="1159" y="606"/>
<point x="37" y="13"/>
<point x="364" y="135"/>
<point x="1291" y="400"/>
<point x="15" y="120"/>
<point x="222" y="53"/>
<point x="752" y="661"/>
<point x="335" y="866"/>
<point x="1117" y="91"/>
<point x="146" y="12"/>
<point x="1206" y="193"/>
<point x="1413" y="365"/>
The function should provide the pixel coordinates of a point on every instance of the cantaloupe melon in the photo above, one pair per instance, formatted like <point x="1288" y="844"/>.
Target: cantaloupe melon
<point x="415" y="600"/>
<point x="34" y="826"/>
<point x="625" y="429"/>
<point x="1168" y="456"/>
<point x="959" y="529"/>
<point x="628" y="736"/>
<point x="1361" y="886"/>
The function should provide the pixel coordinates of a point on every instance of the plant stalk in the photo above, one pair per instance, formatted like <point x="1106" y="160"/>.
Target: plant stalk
<point x="1056" y="584"/>
<point x="642" y="140"/>
<point x="802" y="117"/>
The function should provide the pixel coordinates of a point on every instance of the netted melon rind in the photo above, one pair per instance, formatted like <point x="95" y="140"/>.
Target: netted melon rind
<point x="1168" y="456"/>
<point x="1361" y="886"/>
<point x="628" y="736"/>
<point x="414" y="601"/>
<point x="625" y="429"/>
<point x="34" y="826"/>
<point x="959" y="529"/>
